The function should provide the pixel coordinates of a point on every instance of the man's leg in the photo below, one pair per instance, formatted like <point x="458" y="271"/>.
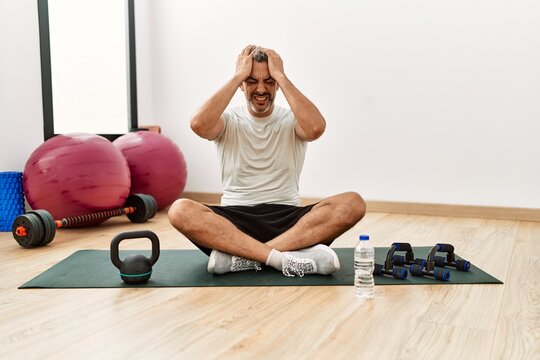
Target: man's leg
<point x="205" y="228"/>
<point x="323" y="223"/>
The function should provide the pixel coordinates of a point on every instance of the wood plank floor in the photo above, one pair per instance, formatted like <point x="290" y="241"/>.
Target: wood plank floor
<point x="402" y="322"/>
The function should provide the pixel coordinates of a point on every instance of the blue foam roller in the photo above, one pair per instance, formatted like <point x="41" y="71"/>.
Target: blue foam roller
<point x="11" y="198"/>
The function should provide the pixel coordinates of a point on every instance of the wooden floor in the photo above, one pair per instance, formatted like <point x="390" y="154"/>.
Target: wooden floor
<point x="402" y="322"/>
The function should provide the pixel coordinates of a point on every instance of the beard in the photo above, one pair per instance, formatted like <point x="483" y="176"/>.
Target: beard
<point x="257" y="108"/>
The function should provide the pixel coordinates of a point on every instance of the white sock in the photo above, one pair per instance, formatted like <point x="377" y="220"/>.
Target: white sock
<point x="275" y="259"/>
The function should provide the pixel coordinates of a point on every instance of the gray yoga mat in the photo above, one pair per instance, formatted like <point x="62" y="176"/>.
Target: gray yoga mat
<point x="187" y="268"/>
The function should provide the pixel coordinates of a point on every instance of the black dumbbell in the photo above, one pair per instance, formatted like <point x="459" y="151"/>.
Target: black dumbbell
<point x="38" y="227"/>
<point x="417" y="265"/>
<point x="438" y="273"/>
<point x="429" y="269"/>
<point x="388" y="267"/>
<point x="408" y="259"/>
<point x="397" y="272"/>
<point x="135" y="269"/>
<point x="450" y="260"/>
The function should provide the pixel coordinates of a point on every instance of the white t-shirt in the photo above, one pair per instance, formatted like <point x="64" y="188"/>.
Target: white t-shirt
<point x="261" y="158"/>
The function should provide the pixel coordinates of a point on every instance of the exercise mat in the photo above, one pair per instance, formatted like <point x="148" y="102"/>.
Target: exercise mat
<point x="187" y="268"/>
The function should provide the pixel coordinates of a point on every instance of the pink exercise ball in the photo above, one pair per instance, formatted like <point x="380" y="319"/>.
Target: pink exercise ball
<point x="75" y="174"/>
<point x="156" y="164"/>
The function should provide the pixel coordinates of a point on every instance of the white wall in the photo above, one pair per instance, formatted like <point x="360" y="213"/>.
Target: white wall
<point x="21" y="111"/>
<point x="426" y="101"/>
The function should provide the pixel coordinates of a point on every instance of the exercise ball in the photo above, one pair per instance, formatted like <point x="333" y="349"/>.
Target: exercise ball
<point x="75" y="174"/>
<point x="156" y="164"/>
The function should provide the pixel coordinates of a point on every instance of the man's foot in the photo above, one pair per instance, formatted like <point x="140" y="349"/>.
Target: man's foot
<point x="221" y="263"/>
<point x="318" y="259"/>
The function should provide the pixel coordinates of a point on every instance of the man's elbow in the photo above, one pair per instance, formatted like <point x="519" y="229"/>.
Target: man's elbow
<point x="197" y="126"/>
<point x="315" y="132"/>
<point x="202" y="128"/>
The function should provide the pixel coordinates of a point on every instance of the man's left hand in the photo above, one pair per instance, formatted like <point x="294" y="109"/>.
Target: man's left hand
<point x="275" y="65"/>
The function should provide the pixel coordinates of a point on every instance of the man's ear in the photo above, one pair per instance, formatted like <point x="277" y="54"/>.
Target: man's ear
<point x="241" y="86"/>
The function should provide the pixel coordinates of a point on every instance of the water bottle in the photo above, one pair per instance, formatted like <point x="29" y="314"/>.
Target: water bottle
<point x="364" y="262"/>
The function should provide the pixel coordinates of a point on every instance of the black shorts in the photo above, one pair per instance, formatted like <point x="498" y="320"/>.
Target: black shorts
<point x="262" y="222"/>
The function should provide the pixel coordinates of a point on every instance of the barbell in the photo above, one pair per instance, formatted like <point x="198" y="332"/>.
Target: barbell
<point x="38" y="227"/>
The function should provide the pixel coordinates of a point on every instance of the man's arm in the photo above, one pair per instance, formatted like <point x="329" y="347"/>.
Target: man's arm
<point x="310" y="123"/>
<point x="207" y="122"/>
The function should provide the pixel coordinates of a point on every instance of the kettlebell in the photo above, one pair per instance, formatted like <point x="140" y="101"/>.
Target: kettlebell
<point x="135" y="269"/>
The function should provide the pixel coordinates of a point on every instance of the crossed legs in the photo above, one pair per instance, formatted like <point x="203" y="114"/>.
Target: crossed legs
<point x="321" y="225"/>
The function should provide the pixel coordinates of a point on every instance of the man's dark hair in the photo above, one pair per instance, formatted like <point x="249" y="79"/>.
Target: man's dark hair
<point x="259" y="55"/>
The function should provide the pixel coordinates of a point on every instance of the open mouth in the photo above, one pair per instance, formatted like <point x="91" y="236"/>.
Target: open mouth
<point x="260" y="102"/>
<point x="261" y="98"/>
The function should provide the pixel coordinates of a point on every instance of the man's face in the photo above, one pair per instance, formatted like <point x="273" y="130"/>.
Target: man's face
<point x="260" y="90"/>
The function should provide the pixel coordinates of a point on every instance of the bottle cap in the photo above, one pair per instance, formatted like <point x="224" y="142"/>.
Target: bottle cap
<point x="364" y="237"/>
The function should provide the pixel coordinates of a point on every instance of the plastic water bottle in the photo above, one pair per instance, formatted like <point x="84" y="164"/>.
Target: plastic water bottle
<point x="364" y="262"/>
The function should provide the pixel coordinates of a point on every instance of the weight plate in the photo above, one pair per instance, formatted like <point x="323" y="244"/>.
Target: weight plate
<point x="48" y="224"/>
<point x="151" y="205"/>
<point x="34" y="230"/>
<point x="38" y="228"/>
<point x="50" y="221"/>
<point x="142" y="208"/>
<point x="154" y="206"/>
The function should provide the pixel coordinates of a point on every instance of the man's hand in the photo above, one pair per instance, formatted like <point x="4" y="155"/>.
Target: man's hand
<point x="310" y="124"/>
<point x="244" y="63"/>
<point x="275" y="65"/>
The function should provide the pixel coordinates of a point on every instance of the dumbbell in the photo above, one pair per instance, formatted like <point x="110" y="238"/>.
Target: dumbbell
<point x="438" y="273"/>
<point x="397" y="272"/>
<point x="429" y="269"/>
<point x="38" y="227"/>
<point x="450" y="260"/>
<point x="408" y="259"/>
<point x="388" y="268"/>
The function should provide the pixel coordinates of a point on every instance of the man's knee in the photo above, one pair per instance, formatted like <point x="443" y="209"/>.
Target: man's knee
<point x="353" y="207"/>
<point x="182" y="212"/>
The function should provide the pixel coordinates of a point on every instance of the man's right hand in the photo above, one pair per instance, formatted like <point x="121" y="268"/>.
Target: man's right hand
<point x="244" y="63"/>
<point x="207" y="122"/>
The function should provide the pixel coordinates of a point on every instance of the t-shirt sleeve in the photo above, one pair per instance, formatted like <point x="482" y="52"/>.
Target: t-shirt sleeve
<point x="226" y="117"/>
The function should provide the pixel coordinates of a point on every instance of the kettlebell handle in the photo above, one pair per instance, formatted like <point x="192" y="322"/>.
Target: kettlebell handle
<point x="115" y="244"/>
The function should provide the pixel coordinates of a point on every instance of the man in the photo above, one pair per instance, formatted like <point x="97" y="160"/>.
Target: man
<point x="261" y="148"/>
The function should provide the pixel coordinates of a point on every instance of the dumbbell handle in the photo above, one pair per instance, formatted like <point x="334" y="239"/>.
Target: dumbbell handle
<point x="437" y="273"/>
<point x="400" y="260"/>
<point x="403" y="247"/>
<point x="447" y="248"/>
<point x="93" y="217"/>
